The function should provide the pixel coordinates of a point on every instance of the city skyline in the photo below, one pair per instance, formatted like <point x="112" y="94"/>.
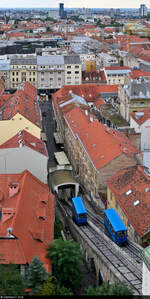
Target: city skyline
<point x="73" y="4"/>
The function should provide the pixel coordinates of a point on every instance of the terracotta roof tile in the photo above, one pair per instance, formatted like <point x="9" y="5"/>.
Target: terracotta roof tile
<point x="25" y="102"/>
<point x="27" y="140"/>
<point x="99" y="151"/>
<point x="140" y="120"/>
<point x="24" y="221"/>
<point x="90" y="92"/>
<point x="138" y="182"/>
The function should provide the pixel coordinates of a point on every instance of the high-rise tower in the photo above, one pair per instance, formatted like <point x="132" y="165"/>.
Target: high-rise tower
<point x="61" y="10"/>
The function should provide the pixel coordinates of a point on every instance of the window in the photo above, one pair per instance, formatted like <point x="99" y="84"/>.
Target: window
<point x="76" y="66"/>
<point x="59" y="72"/>
<point x="42" y="73"/>
<point x="34" y="79"/>
<point x="51" y="79"/>
<point x="68" y="72"/>
<point x="68" y="78"/>
<point x="142" y="104"/>
<point x="113" y="81"/>
<point x="76" y="72"/>
<point x="59" y="79"/>
<point x="68" y="66"/>
<point x="33" y="73"/>
<point x="30" y="79"/>
<point x="13" y="73"/>
<point x="16" y="73"/>
<point x="42" y="79"/>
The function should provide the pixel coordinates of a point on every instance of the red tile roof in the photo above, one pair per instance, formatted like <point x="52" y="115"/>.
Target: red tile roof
<point x="14" y="254"/>
<point x="135" y="74"/>
<point x="140" y="120"/>
<point x="99" y="148"/>
<point x="27" y="140"/>
<point x="90" y="92"/>
<point x="23" y="101"/>
<point x="24" y="202"/>
<point x="136" y="180"/>
<point x="117" y="68"/>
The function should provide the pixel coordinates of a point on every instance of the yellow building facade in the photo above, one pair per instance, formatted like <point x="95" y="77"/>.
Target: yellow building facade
<point x="23" y="70"/>
<point x="10" y="128"/>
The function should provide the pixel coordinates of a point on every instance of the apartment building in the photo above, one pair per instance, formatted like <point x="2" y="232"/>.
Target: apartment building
<point x="91" y="158"/>
<point x="51" y="72"/>
<point x="23" y="70"/>
<point x="134" y="97"/>
<point x="5" y="71"/>
<point x="128" y="193"/>
<point x="116" y="75"/>
<point x="73" y="73"/>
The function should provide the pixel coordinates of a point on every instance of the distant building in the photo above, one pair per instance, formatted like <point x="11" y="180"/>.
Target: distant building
<point x="143" y="10"/>
<point x="53" y="14"/>
<point x="61" y="10"/>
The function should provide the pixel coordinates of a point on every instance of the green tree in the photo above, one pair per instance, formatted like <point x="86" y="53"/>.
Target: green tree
<point x="66" y="259"/>
<point x="116" y="289"/>
<point x="35" y="275"/>
<point x="11" y="281"/>
<point x="61" y="290"/>
<point x="48" y="287"/>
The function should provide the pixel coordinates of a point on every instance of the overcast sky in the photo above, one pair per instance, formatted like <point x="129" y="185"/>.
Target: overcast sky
<point x="73" y="3"/>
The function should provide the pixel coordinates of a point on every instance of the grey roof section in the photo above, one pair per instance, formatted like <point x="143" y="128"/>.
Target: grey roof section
<point x="4" y="65"/>
<point x="72" y="59"/>
<point x="139" y="89"/>
<point x="49" y="60"/>
<point x="25" y="61"/>
<point x="75" y="98"/>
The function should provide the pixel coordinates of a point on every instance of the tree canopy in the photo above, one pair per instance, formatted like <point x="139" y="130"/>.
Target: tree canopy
<point x="66" y="259"/>
<point x="11" y="281"/>
<point x="35" y="275"/>
<point x="116" y="289"/>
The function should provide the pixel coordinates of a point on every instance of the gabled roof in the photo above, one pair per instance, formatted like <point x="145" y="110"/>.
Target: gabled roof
<point x="90" y="92"/>
<point x="28" y="210"/>
<point x="141" y="117"/>
<point x="23" y="101"/>
<point x="117" y="68"/>
<point x="26" y="139"/>
<point x="131" y="188"/>
<point x="98" y="149"/>
<point x="135" y="74"/>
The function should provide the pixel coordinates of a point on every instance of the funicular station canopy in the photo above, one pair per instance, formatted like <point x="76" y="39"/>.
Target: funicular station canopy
<point x="60" y="176"/>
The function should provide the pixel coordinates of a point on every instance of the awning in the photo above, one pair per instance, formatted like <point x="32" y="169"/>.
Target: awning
<point x="61" y="158"/>
<point x="58" y="138"/>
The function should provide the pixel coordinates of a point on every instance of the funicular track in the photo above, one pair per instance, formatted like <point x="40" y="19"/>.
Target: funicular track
<point x="123" y="261"/>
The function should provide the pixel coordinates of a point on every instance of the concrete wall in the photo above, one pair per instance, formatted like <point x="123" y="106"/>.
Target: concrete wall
<point x="16" y="160"/>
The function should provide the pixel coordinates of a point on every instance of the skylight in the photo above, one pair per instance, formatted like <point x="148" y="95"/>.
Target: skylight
<point x="128" y="192"/>
<point x="136" y="203"/>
